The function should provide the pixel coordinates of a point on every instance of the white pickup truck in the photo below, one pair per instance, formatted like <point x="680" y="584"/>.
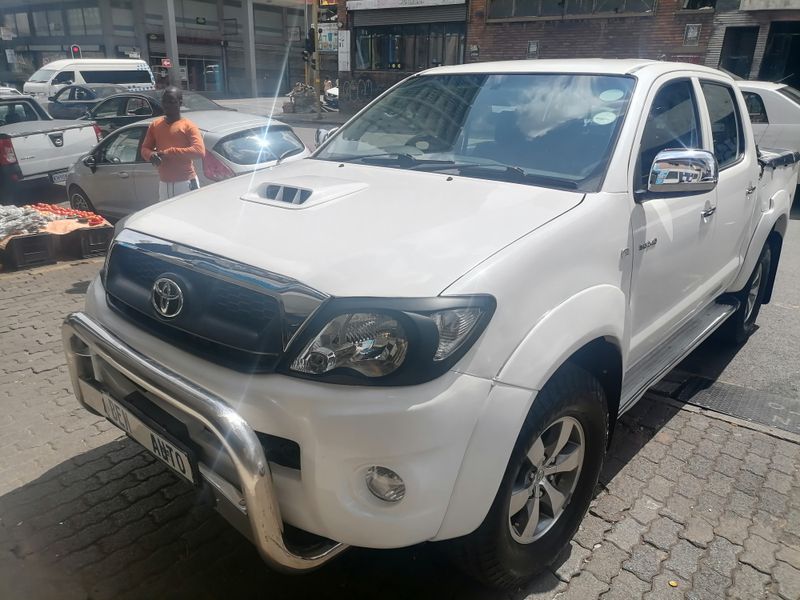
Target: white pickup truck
<point x="35" y="148"/>
<point x="428" y="329"/>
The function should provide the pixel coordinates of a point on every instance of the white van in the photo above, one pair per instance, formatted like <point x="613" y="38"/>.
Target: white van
<point x="132" y="74"/>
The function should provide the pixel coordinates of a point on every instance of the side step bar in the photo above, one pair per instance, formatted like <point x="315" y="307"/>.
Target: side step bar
<point x="663" y="359"/>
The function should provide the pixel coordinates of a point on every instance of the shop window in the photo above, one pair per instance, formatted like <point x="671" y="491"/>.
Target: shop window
<point x="698" y="4"/>
<point x="409" y="47"/>
<point x="511" y="9"/>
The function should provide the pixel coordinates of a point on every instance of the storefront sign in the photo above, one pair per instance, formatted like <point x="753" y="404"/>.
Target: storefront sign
<point x="378" y="4"/>
<point x="344" y="50"/>
<point x="11" y="56"/>
<point x="293" y="33"/>
<point x="691" y="35"/>
<point x="328" y="37"/>
<point x="166" y="63"/>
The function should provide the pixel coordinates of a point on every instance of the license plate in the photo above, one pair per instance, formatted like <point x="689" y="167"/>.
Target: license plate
<point x="161" y="446"/>
<point x="59" y="177"/>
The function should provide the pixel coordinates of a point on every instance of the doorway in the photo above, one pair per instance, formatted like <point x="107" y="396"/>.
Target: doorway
<point x="738" y="49"/>
<point x="782" y="57"/>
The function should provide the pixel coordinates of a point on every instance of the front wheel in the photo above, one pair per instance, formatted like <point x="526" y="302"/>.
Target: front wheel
<point x="78" y="200"/>
<point x="548" y="484"/>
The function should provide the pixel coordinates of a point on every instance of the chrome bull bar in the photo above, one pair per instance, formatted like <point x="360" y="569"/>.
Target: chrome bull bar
<point x="84" y="337"/>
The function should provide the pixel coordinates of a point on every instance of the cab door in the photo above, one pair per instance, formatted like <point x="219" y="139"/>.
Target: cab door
<point x="735" y="151"/>
<point x="674" y="265"/>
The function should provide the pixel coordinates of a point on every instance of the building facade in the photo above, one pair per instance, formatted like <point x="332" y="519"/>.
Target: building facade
<point x="213" y="45"/>
<point x="757" y="39"/>
<point x="390" y="39"/>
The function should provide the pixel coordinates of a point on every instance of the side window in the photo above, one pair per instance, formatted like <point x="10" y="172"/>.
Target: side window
<point x="755" y="107"/>
<point x="726" y="125"/>
<point x="671" y="124"/>
<point x="82" y="94"/>
<point x="138" y="107"/>
<point x="124" y="148"/>
<point x="110" y="108"/>
<point x="64" y="77"/>
<point x="68" y="93"/>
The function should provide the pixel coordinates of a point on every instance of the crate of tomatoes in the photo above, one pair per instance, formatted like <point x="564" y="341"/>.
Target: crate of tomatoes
<point x="79" y="233"/>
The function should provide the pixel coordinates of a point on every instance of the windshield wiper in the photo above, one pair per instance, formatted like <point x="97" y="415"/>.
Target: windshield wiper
<point x="398" y="158"/>
<point x="509" y="173"/>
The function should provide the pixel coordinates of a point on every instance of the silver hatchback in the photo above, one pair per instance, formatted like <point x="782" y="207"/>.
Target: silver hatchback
<point x="114" y="180"/>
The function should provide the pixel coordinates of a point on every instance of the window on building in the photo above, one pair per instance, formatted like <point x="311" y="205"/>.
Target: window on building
<point x="511" y="9"/>
<point x="75" y="21"/>
<point x="726" y="125"/>
<point x="672" y="123"/>
<point x="91" y="18"/>
<point x="698" y="4"/>
<point x="17" y="23"/>
<point x="409" y="47"/>
<point x="48" y="22"/>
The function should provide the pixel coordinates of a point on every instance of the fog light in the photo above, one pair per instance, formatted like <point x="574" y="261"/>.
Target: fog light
<point x="385" y="484"/>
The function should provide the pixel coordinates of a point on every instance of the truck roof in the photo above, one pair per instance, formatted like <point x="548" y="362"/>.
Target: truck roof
<point x="593" y="66"/>
<point x="111" y="62"/>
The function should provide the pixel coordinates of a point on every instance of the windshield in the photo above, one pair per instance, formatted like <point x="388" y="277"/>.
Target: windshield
<point x="42" y="76"/>
<point x="553" y="130"/>
<point x="255" y="146"/>
<point x="791" y="93"/>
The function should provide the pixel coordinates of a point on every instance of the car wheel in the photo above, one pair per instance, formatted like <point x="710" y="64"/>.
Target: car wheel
<point x="78" y="200"/>
<point x="547" y="486"/>
<point x="742" y="323"/>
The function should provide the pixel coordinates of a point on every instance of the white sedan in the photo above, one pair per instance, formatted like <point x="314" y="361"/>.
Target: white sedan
<point x="774" y="112"/>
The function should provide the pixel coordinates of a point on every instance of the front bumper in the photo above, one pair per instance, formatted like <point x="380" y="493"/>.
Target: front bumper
<point x="86" y="341"/>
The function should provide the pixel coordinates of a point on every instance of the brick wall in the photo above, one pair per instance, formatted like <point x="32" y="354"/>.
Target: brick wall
<point x="656" y="36"/>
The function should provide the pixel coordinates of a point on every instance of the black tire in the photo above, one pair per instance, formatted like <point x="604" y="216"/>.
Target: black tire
<point x="78" y="200"/>
<point x="491" y="554"/>
<point x="742" y="323"/>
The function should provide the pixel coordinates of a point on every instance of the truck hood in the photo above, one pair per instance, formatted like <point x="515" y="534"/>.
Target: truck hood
<point x="362" y="230"/>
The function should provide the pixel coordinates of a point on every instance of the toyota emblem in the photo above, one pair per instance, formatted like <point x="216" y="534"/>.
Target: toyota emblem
<point x="167" y="297"/>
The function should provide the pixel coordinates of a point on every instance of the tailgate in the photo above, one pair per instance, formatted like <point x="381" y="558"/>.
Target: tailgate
<point x="53" y="150"/>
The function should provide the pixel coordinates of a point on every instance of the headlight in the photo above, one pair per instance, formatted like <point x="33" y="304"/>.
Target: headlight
<point x="373" y="341"/>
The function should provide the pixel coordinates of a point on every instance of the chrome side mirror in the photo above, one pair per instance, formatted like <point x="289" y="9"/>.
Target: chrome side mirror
<point x="686" y="171"/>
<point x="323" y="134"/>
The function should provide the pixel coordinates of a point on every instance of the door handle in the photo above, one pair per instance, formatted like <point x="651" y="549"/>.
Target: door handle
<point x="123" y="174"/>
<point x="750" y="190"/>
<point x="708" y="212"/>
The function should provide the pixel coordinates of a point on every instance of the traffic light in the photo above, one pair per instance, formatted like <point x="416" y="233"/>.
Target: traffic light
<point x="75" y="51"/>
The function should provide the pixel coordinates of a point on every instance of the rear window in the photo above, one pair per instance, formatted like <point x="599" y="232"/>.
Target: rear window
<point x="255" y="146"/>
<point x="123" y="77"/>
<point x="16" y="112"/>
<point x="791" y="93"/>
<point x="42" y="76"/>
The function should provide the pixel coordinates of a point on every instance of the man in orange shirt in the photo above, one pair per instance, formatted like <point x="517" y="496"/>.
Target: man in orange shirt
<point x="171" y="143"/>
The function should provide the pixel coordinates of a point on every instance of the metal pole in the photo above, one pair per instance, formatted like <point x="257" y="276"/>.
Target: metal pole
<point x="250" y="48"/>
<point x="171" y="40"/>
<point x="317" y="86"/>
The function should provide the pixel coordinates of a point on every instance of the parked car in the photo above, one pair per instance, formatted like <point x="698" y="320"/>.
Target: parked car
<point x="114" y="180"/>
<point x="123" y="109"/>
<point x="35" y="149"/>
<point x="428" y="329"/>
<point x="74" y="101"/>
<point x="132" y="74"/>
<point x="332" y="98"/>
<point x="774" y="110"/>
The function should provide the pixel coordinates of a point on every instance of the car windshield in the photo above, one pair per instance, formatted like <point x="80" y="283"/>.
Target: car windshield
<point x="255" y="146"/>
<point x="791" y="93"/>
<point x="553" y="130"/>
<point x="42" y="76"/>
<point x="191" y="101"/>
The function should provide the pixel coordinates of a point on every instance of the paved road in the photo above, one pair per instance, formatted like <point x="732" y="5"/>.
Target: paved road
<point x="685" y="498"/>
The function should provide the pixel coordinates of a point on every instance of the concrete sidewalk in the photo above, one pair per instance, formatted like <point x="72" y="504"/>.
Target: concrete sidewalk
<point x="691" y="505"/>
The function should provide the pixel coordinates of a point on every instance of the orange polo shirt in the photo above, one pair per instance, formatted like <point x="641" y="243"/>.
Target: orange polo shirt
<point x="177" y="144"/>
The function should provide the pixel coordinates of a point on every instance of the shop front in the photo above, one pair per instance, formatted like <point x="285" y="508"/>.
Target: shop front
<point x="389" y="41"/>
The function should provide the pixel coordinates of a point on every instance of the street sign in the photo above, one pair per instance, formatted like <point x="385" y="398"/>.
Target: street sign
<point x="166" y="63"/>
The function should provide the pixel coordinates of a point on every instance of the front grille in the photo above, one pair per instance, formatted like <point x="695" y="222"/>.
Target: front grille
<point x="220" y="320"/>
